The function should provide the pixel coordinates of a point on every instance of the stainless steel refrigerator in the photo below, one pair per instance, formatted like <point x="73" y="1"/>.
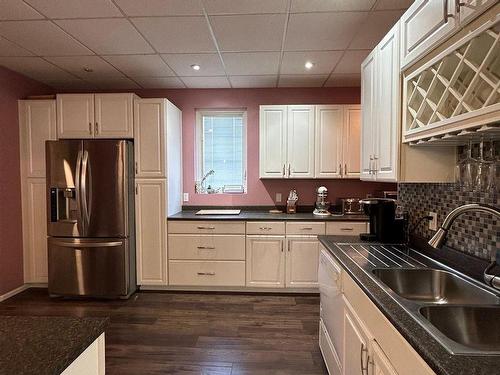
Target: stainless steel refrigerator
<point x="90" y="218"/>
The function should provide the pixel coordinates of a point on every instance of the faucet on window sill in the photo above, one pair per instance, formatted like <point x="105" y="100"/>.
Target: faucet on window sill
<point x="439" y="238"/>
<point x="200" y="187"/>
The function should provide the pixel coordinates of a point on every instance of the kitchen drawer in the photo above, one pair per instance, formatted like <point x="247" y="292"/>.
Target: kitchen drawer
<point x="266" y="227"/>
<point x="206" y="273"/>
<point x="304" y="228"/>
<point x="207" y="227"/>
<point x="346" y="228"/>
<point x="205" y="246"/>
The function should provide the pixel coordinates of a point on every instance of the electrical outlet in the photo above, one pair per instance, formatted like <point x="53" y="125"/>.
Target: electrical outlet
<point x="433" y="224"/>
<point x="278" y="197"/>
<point x="185" y="197"/>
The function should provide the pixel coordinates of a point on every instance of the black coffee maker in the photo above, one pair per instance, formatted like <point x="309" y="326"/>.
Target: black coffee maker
<point x="384" y="226"/>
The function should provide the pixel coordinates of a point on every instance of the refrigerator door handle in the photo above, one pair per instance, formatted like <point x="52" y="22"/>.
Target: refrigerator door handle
<point x="87" y="244"/>
<point x="83" y="184"/>
<point x="78" y="192"/>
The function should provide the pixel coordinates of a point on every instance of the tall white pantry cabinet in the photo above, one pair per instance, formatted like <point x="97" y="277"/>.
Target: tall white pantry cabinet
<point x="158" y="179"/>
<point x="156" y="133"/>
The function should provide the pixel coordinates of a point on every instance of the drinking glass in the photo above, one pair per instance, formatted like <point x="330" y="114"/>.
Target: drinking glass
<point x="467" y="169"/>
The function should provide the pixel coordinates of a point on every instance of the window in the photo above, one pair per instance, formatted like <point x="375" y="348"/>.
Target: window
<point x="221" y="151"/>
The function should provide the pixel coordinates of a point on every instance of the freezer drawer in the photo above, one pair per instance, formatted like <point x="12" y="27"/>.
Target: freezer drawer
<point x="88" y="267"/>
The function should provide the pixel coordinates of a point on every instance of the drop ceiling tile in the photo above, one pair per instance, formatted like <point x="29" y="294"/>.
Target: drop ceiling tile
<point x="376" y="26"/>
<point x="76" y="65"/>
<point x="107" y="35"/>
<point x="344" y="80"/>
<point x="36" y="68"/>
<point x="251" y="63"/>
<point x="351" y="61"/>
<point x="17" y="10"/>
<point x="295" y="80"/>
<point x="249" y="32"/>
<point x="210" y="64"/>
<point x="114" y="83"/>
<point x="42" y="38"/>
<point x="322" y="31"/>
<point x="177" y="34"/>
<point x="303" y="6"/>
<point x="253" y="81"/>
<point x="393" y="4"/>
<point x="140" y="65"/>
<point x="159" y="82"/>
<point x="324" y="62"/>
<point x="160" y="7"/>
<point x="205" y="82"/>
<point x="75" y="8"/>
<point x="8" y="48"/>
<point x="245" y="6"/>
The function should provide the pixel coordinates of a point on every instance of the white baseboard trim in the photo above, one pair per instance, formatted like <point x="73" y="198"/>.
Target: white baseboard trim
<point x="242" y="289"/>
<point x="13" y="292"/>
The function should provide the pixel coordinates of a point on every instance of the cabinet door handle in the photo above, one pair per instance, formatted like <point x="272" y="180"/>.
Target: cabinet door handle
<point x="97" y="128"/>
<point x="206" y="247"/>
<point x="284" y="170"/>
<point x="202" y="227"/>
<point x="136" y="168"/>
<point x="90" y="128"/>
<point x="289" y="167"/>
<point x="340" y="169"/>
<point x="206" y="273"/>
<point x="345" y="169"/>
<point x="136" y="189"/>
<point x="448" y="15"/>
<point x="282" y="246"/>
<point x="364" y="367"/>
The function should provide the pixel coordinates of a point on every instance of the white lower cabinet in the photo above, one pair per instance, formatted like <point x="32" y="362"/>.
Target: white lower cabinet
<point x="151" y="234"/>
<point x="302" y="258"/>
<point x="265" y="261"/>
<point x="328" y="351"/>
<point x="356" y="341"/>
<point x="379" y="363"/>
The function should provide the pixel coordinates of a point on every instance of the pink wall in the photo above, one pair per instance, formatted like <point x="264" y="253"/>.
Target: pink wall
<point x="12" y="87"/>
<point x="260" y="192"/>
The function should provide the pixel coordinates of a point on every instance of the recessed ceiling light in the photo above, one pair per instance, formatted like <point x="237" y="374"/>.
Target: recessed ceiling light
<point x="309" y="65"/>
<point x="195" y="67"/>
<point x="87" y="69"/>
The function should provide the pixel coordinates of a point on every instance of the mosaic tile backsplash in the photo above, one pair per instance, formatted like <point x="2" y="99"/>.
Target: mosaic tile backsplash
<point x="476" y="233"/>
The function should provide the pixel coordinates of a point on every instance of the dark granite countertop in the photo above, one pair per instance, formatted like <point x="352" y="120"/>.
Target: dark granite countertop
<point x="433" y="352"/>
<point x="44" y="345"/>
<point x="252" y="215"/>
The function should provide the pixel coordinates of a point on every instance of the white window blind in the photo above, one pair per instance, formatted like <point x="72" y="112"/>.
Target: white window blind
<point x="223" y="150"/>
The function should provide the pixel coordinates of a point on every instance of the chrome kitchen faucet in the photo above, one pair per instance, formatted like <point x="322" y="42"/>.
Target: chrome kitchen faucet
<point x="438" y="239"/>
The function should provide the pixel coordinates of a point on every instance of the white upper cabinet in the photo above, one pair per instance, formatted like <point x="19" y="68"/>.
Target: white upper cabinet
<point x="150" y="134"/>
<point x="309" y="141"/>
<point x="95" y="115"/>
<point x="388" y="99"/>
<point x="368" y="116"/>
<point x="272" y="140"/>
<point x="328" y="151"/>
<point x="300" y="141"/>
<point x="351" y="141"/>
<point x="424" y="25"/>
<point x="114" y="116"/>
<point x="37" y="124"/>
<point x="75" y="116"/>
<point x="470" y="9"/>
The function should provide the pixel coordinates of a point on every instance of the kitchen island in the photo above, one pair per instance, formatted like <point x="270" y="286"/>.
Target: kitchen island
<point x="49" y="345"/>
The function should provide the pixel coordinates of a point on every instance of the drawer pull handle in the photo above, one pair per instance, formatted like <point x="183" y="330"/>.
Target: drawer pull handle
<point x="206" y="247"/>
<point x="202" y="227"/>
<point x="306" y="228"/>
<point x="347" y="229"/>
<point x="206" y="273"/>
<point x="265" y="228"/>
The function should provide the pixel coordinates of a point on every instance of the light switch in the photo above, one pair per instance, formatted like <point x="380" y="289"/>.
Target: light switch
<point x="186" y="197"/>
<point x="433" y="224"/>
<point x="278" y="197"/>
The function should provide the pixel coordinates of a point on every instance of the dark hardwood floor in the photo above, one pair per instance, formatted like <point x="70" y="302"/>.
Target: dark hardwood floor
<point x="194" y="333"/>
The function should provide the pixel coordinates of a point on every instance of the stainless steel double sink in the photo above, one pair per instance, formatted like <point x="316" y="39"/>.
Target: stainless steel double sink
<point x="457" y="311"/>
